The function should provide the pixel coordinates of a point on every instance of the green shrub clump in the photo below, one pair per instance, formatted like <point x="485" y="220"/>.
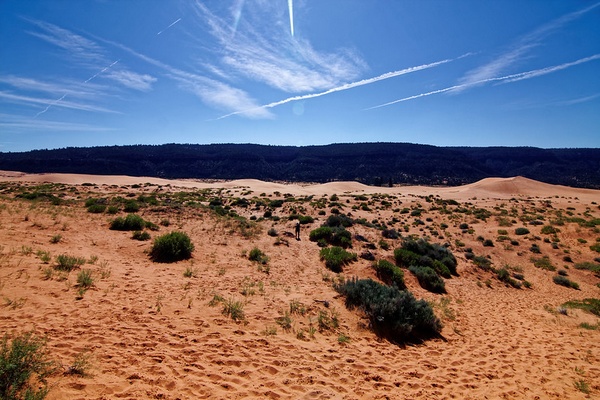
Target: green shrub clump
<point x="336" y="257"/>
<point x="258" y="256"/>
<point x="393" y="313"/>
<point x="140" y="235"/>
<point x="521" y="231"/>
<point x="171" y="247"/>
<point x="421" y="252"/>
<point x="564" y="281"/>
<point x="336" y="236"/>
<point x="390" y="274"/>
<point x="428" y="278"/>
<point x="24" y="367"/>
<point x="131" y="222"/>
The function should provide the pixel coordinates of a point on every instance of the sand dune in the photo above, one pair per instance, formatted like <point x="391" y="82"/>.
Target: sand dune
<point x="150" y="332"/>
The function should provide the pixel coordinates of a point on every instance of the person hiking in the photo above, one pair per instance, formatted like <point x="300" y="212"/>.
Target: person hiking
<point x="298" y="230"/>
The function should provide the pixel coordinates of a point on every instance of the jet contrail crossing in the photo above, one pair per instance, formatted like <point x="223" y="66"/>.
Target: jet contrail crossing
<point x="291" y="8"/>
<point x="173" y="23"/>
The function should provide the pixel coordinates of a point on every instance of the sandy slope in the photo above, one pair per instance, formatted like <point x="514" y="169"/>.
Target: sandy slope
<point x="151" y="332"/>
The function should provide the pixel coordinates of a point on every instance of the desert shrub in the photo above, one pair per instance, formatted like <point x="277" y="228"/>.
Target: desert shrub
<point x="488" y="243"/>
<point x="131" y="206"/>
<point x="96" y="208"/>
<point x="483" y="262"/>
<point x="305" y="219"/>
<point x="393" y="313"/>
<point x="390" y="274"/>
<point x="535" y="248"/>
<point x="564" y="281"/>
<point x="171" y="247"/>
<point x="112" y="209"/>
<point x="543" y="263"/>
<point x="339" y="220"/>
<point x="589" y="305"/>
<point x="24" y="367"/>
<point x="140" y="235"/>
<point x="590" y="266"/>
<point x="272" y="232"/>
<point x="336" y="257"/>
<point x="85" y="279"/>
<point x="68" y="263"/>
<point x="504" y="276"/>
<point x="234" y="309"/>
<point x="549" y="230"/>
<point x="337" y="236"/>
<point x="595" y="247"/>
<point x="390" y="234"/>
<point x="521" y="231"/>
<point x="428" y="278"/>
<point x="421" y="252"/>
<point x="258" y="256"/>
<point x="131" y="222"/>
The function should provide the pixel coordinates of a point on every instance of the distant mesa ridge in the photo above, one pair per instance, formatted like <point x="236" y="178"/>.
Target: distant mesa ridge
<point x="369" y="163"/>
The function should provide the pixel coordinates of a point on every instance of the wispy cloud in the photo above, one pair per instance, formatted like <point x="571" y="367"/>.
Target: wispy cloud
<point x="44" y="101"/>
<point x="347" y="86"/>
<point x="20" y="123"/>
<point x="210" y="91"/>
<point x="502" y="79"/>
<point x="89" y="54"/>
<point x="518" y="50"/>
<point x="273" y="57"/>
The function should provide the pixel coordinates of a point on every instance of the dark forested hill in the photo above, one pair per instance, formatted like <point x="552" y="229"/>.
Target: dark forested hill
<point x="370" y="163"/>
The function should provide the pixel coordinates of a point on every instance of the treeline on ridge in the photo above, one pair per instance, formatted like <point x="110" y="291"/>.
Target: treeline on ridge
<point x="370" y="163"/>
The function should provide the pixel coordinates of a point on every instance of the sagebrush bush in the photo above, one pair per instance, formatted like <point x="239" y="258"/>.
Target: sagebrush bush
<point x="421" y="252"/>
<point x="96" y="208"/>
<point x="564" y="281"/>
<point x="393" y="313"/>
<point x="336" y="257"/>
<point x="140" y="235"/>
<point x="68" y="263"/>
<point x="390" y="274"/>
<point x="428" y="278"/>
<point x="132" y="222"/>
<point x="336" y="236"/>
<point x="258" y="256"/>
<point x="521" y="231"/>
<point x="24" y="367"/>
<point x="171" y="247"/>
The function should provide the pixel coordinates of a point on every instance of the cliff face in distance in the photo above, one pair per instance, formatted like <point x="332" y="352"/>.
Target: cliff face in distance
<point x="369" y="163"/>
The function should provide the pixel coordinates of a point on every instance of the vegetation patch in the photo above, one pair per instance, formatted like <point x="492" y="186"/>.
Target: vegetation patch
<point x="24" y="367"/>
<point x="428" y="278"/>
<point x="258" y="256"/>
<point x="336" y="257"/>
<point x="589" y="305"/>
<point x="543" y="263"/>
<point x="564" y="281"/>
<point x="172" y="247"/>
<point x="394" y="314"/>
<point x="68" y="263"/>
<point x="390" y="274"/>
<point x="132" y="222"/>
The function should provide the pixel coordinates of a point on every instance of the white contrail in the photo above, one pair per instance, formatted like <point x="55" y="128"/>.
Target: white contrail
<point x="503" y="79"/>
<point x="103" y="70"/>
<point x="168" y="27"/>
<point x="345" y="86"/>
<point x="291" y="8"/>
<point x="65" y="95"/>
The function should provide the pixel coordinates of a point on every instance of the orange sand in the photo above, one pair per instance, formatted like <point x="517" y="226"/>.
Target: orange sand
<point x="151" y="332"/>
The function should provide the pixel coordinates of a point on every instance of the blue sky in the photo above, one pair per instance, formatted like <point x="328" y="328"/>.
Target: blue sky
<point x="299" y="72"/>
